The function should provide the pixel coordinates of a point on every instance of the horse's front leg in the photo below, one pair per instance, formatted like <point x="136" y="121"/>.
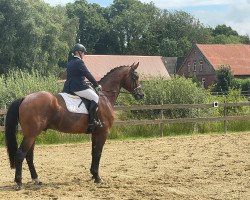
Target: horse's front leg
<point x="98" y="140"/>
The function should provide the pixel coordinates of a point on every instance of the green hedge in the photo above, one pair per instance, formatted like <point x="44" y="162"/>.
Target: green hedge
<point x="18" y="83"/>
<point x="178" y="90"/>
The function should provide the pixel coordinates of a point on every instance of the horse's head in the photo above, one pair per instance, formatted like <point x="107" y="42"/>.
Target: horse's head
<point x="132" y="83"/>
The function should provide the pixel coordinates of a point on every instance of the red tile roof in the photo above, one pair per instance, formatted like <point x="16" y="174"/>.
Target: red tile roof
<point x="150" y="66"/>
<point x="237" y="56"/>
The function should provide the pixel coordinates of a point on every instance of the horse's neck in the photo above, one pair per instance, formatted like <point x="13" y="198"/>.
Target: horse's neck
<point x="111" y="84"/>
<point x="111" y="90"/>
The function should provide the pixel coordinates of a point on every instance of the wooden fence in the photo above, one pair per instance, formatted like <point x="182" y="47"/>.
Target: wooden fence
<point x="163" y="120"/>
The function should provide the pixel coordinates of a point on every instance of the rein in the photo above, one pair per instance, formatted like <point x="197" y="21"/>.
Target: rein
<point x="125" y="92"/>
<point x="112" y="91"/>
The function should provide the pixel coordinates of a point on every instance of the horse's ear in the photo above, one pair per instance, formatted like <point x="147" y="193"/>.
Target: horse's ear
<point x="134" y="66"/>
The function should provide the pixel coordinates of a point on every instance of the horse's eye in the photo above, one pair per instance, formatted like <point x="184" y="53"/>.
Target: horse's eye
<point x="135" y="76"/>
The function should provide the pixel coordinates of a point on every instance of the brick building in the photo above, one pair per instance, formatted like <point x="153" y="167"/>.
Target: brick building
<point x="203" y="60"/>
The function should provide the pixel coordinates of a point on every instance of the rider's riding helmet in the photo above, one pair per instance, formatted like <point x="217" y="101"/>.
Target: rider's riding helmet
<point x="79" y="47"/>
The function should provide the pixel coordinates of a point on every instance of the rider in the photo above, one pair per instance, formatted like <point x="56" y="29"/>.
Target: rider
<point x="75" y="84"/>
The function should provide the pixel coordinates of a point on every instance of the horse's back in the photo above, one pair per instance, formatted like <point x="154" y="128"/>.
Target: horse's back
<point x="41" y="99"/>
<point x="41" y="94"/>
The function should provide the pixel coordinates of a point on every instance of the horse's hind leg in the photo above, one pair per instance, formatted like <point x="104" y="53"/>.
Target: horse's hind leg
<point x="20" y="155"/>
<point x="30" y="159"/>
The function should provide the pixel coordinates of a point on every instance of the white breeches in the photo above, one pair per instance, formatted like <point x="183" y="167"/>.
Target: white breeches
<point x="88" y="94"/>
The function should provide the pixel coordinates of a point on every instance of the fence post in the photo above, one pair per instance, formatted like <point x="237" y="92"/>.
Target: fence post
<point x="162" y="117"/>
<point x="224" y="115"/>
<point x="4" y="116"/>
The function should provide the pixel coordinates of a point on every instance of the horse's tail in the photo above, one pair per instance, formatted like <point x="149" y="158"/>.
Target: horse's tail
<point x="11" y="128"/>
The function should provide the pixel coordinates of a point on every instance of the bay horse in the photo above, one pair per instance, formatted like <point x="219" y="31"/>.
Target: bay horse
<point x="42" y="110"/>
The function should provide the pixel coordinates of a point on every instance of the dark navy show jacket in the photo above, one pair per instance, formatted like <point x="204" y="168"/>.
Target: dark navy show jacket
<point x="76" y="74"/>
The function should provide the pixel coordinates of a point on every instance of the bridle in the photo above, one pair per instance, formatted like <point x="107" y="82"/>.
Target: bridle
<point x="133" y="83"/>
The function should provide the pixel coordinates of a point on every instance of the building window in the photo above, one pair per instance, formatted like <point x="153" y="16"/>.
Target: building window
<point x="203" y="82"/>
<point x="194" y="66"/>
<point x="188" y="66"/>
<point x="201" y="65"/>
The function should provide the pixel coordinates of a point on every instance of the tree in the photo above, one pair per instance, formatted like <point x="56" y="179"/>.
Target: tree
<point x="223" y="34"/>
<point x="141" y="28"/>
<point x="176" y="31"/>
<point x="32" y="35"/>
<point x="92" y="24"/>
<point x="224" y="30"/>
<point x="130" y="22"/>
<point x="223" y="39"/>
<point x="224" y="79"/>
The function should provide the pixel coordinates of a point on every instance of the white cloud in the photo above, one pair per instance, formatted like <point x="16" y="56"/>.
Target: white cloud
<point x="238" y="17"/>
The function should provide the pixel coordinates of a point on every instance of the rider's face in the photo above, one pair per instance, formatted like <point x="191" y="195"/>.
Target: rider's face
<point x="80" y="54"/>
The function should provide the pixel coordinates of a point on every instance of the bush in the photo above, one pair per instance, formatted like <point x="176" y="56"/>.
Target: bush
<point x="224" y="79"/>
<point x="233" y="96"/>
<point x="178" y="90"/>
<point x="19" y="83"/>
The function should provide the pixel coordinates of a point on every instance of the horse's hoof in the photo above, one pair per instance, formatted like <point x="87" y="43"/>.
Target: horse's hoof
<point x="18" y="187"/>
<point x="37" y="181"/>
<point x="98" y="180"/>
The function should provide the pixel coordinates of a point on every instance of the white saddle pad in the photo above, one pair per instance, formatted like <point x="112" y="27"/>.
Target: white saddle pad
<point x="72" y="103"/>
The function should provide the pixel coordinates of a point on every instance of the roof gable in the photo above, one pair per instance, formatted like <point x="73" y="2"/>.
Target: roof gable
<point x="237" y="56"/>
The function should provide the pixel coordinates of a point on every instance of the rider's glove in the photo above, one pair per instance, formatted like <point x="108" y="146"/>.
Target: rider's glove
<point x="98" y="88"/>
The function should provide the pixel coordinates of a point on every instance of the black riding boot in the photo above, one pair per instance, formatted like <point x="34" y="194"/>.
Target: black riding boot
<point x="94" y="121"/>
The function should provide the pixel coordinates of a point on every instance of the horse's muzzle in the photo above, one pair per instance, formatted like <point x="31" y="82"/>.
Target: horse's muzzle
<point x="139" y="96"/>
<point x="138" y="93"/>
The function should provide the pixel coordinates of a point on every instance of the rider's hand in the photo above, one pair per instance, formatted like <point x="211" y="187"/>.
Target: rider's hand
<point x="98" y="88"/>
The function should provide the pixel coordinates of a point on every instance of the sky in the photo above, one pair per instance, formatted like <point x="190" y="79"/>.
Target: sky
<point x="233" y="13"/>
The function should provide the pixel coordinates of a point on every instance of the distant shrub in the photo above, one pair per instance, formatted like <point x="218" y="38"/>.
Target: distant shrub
<point x="242" y="84"/>
<point x="19" y="83"/>
<point x="178" y="90"/>
<point x="225" y="78"/>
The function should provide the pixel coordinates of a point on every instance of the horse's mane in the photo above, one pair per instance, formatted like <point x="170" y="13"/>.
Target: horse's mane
<point x="111" y="71"/>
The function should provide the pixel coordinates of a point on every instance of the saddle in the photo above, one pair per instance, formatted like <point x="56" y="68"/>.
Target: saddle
<point x="78" y="104"/>
<point x="75" y="103"/>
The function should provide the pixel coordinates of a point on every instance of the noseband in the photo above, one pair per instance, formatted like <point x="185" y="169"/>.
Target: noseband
<point x="133" y="83"/>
